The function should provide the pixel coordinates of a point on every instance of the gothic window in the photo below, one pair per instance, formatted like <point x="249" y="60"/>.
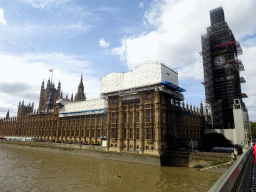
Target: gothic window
<point x="98" y="133"/>
<point x="138" y="134"/>
<point x="115" y="101"/>
<point x="99" y="120"/>
<point x="114" y="118"/>
<point x="131" y="117"/>
<point x="93" y="132"/>
<point x="149" y="96"/>
<point x="87" y="134"/>
<point x="93" y="121"/>
<point x="114" y="133"/>
<point x="149" y="133"/>
<point x="125" y="117"/>
<point x="149" y="116"/>
<point x="125" y="133"/>
<point x="131" y="134"/>
<point x="137" y="117"/>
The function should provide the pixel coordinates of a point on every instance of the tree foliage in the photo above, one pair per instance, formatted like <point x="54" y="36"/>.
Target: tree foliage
<point x="253" y="129"/>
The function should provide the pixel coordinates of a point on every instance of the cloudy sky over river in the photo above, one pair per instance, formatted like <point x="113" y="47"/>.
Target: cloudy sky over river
<point x="99" y="37"/>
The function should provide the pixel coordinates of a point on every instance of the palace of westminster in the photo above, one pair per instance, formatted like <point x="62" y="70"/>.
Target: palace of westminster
<point x="138" y="111"/>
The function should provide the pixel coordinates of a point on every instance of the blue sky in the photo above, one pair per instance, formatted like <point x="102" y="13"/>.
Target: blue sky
<point x="99" y="37"/>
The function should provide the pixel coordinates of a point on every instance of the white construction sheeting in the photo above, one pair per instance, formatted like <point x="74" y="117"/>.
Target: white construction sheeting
<point x="144" y="75"/>
<point x="87" y="107"/>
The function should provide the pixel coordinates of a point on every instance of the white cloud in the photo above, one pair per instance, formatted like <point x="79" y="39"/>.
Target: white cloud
<point x="175" y="38"/>
<point x="43" y="3"/>
<point x="31" y="69"/>
<point x="141" y="4"/>
<point x="178" y="26"/>
<point x="2" y="19"/>
<point x="103" y="43"/>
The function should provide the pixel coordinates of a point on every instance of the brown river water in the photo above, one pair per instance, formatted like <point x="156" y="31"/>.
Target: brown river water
<point x="29" y="170"/>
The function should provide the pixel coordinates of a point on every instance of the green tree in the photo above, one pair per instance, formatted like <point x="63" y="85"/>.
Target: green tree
<point x="253" y="129"/>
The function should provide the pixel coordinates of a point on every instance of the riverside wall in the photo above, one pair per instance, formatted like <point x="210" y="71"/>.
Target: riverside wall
<point x="180" y="159"/>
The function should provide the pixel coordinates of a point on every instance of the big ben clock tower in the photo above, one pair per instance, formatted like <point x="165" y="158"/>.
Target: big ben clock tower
<point x="220" y="52"/>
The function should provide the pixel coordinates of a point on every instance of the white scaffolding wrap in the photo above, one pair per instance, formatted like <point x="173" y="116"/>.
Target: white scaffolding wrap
<point x="144" y="75"/>
<point x="87" y="107"/>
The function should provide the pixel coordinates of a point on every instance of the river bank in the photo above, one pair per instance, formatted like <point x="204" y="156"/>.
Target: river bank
<point x="179" y="159"/>
<point x="23" y="169"/>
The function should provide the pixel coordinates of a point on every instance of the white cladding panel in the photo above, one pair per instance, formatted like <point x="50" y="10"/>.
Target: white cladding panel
<point x="144" y="75"/>
<point x="113" y="82"/>
<point x="86" y="107"/>
<point x="169" y="75"/>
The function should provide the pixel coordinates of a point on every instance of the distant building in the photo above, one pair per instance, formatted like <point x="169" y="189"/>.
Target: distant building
<point x="50" y="92"/>
<point x="23" y="110"/>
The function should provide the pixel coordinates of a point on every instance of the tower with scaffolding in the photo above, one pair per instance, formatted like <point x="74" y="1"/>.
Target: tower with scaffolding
<point x="222" y="80"/>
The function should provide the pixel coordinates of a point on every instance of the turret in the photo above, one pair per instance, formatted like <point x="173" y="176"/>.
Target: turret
<point x="48" y="83"/>
<point x="42" y="86"/>
<point x="201" y="109"/>
<point x="72" y="97"/>
<point x="7" y="115"/>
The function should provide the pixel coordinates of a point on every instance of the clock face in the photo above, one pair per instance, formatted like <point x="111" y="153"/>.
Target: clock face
<point x="219" y="61"/>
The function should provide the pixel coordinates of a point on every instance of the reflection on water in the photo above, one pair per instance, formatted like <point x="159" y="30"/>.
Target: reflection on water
<point x="28" y="170"/>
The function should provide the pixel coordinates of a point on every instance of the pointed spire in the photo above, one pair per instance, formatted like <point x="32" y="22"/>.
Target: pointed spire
<point x="183" y="104"/>
<point x="42" y="86"/>
<point x="61" y="95"/>
<point x="80" y="95"/>
<point x="7" y="114"/>
<point x="201" y="108"/>
<point x="72" y="97"/>
<point x="59" y="85"/>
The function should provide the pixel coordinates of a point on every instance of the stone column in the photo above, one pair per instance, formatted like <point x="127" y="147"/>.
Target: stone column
<point x="90" y="130"/>
<point x="57" y="139"/>
<point x="80" y="130"/>
<point x="75" y="129"/>
<point x="109" y="117"/>
<point x="157" y="122"/>
<point x="141" y="124"/>
<point x="120" y="126"/>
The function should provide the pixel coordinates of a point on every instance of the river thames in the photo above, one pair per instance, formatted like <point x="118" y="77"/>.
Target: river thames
<point x="29" y="170"/>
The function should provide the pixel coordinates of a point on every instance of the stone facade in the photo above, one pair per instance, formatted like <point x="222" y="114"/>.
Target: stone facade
<point x="140" y="125"/>
<point x="145" y="119"/>
<point x="146" y="123"/>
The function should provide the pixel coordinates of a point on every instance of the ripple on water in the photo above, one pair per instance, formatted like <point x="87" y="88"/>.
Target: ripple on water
<point x="23" y="170"/>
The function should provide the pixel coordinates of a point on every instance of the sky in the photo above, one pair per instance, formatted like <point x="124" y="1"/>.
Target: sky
<point x="95" y="38"/>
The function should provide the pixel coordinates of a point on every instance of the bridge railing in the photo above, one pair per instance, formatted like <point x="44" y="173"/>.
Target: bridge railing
<point x="234" y="178"/>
